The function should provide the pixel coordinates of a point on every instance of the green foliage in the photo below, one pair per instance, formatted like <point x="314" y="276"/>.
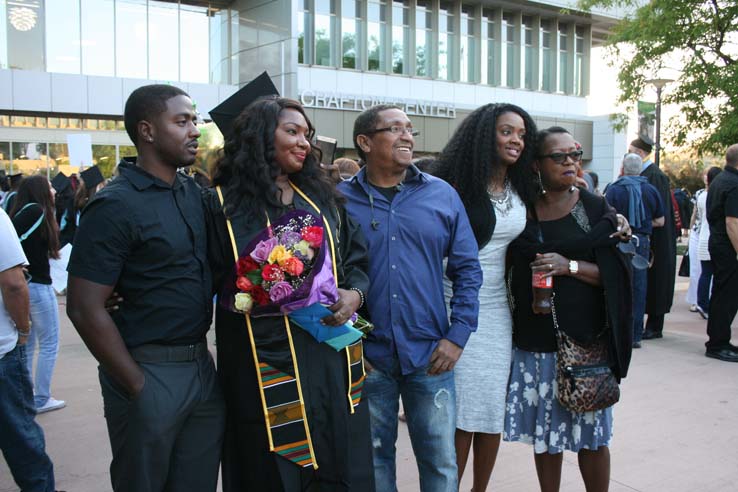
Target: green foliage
<point x="701" y="37"/>
<point x="685" y="169"/>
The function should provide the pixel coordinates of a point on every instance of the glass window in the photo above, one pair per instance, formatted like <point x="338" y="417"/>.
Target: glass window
<point x="219" y="47"/>
<point x="59" y="159"/>
<point x="3" y="37"/>
<point x="126" y="151"/>
<point x="193" y="44"/>
<point x="163" y="41"/>
<point x="62" y="38"/>
<point x="5" y="156"/>
<point x="446" y="41"/>
<point x="104" y="157"/>
<point x="468" y="45"/>
<point x="423" y="31"/>
<point x="376" y="35"/>
<point x="98" y="37"/>
<point x="508" y="51"/>
<point x="30" y="157"/>
<point x="547" y="56"/>
<point x="350" y="33"/>
<point x="579" y="61"/>
<point x="563" y="57"/>
<point x="528" y="53"/>
<point x="400" y="36"/>
<point x="25" y="34"/>
<point x="325" y="27"/>
<point x="130" y="31"/>
<point x="4" y="120"/>
<point x="488" y="47"/>
<point x="303" y="20"/>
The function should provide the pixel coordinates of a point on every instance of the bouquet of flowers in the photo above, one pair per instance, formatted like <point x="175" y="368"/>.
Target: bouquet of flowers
<point x="287" y="269"/>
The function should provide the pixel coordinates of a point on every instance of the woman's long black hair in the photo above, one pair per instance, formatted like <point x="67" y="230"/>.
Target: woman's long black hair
<point x="36" y="189"/>
<point x="247" y="170"/>
<point x="470" y="160"/>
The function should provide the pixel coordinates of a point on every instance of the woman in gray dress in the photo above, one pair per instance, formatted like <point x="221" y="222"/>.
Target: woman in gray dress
<point x="488" y="162"/>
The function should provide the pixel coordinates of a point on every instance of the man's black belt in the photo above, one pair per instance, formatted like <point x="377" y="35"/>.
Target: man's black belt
<point x="169" y="353"/>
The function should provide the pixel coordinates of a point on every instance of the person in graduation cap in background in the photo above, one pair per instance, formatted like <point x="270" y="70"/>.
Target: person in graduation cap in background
<point x="14" y="181"/>
<point x="64" y="205"/>
<point x="660" y="292"/>
<point x="311" y="430"/>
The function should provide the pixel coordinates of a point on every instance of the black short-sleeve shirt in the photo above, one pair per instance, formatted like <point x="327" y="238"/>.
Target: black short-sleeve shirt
<point x="148" y="239"/>
<point x="722" y="202"/>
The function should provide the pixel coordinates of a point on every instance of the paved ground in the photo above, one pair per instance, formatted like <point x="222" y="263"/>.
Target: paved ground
<point x="676" y="426"/>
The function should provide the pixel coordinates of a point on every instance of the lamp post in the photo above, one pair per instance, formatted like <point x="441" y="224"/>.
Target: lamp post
<point x="659" y="85"/>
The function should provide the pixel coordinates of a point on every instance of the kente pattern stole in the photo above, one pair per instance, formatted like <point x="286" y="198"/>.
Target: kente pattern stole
<point x="281" y="394"/>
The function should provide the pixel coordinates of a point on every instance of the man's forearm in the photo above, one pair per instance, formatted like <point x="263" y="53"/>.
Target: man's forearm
<point x="101" y="335"/>
<point x="15" y="298"/>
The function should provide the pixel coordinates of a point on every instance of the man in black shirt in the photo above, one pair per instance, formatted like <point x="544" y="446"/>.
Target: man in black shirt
<point x="722" y="215"/>
<point x="144" y="235"/>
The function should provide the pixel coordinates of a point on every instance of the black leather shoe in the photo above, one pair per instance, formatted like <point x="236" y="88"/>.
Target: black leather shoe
<point x="636" y="344"/>
<point x="722" y="354"/>
<point x="650" y="334"/>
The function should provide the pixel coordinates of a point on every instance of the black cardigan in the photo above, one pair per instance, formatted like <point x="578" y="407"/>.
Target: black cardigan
<point x="615" y="273"/>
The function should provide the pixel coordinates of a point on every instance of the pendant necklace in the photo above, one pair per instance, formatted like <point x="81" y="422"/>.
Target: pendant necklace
<point x="502" y="201"/>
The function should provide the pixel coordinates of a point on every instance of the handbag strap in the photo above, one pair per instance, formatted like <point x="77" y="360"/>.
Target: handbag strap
<point x="35" y="225"/>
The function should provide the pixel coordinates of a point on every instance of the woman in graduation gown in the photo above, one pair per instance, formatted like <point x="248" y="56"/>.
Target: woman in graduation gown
<point x="310" y="430"/>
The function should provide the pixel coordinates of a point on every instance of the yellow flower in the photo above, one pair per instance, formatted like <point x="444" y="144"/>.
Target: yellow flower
<point x="244" y="302"/>
<point x="278" y="254"/>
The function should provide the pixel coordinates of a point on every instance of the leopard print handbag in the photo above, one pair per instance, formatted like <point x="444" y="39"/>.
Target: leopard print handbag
<point x="583" y="376"/>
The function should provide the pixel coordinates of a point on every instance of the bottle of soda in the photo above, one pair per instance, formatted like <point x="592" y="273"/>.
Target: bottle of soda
<point x="542" y="292"/>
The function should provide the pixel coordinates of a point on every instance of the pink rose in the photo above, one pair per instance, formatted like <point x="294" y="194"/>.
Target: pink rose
<point x="244" y="284"/>
<point x="280" y="291"/>
<point x="292" y="266"/>
<point x="313" y="235"/>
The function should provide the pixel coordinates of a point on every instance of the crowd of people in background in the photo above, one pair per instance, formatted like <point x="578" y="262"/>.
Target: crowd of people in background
<point x="440" y="253"/>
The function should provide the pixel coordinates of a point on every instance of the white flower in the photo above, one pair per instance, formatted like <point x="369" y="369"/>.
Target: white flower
<point x="576" y="433"/>
<point x="244" y="302"/>
<point x="543" y="389"/>
<point x="540" y="446"/>
<point x="531" y="396"/>
<point x="554" y="437"/>
<point x="539" y="430"/>
<point x="589" y="418"/>
<point x="527" y="378"/>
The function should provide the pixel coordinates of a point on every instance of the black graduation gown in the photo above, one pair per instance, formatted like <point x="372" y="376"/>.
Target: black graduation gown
<point x="341" y="440"/>
<point x="660" y="292"/>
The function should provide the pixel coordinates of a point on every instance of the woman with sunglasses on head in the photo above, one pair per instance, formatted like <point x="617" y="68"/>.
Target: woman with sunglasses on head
<point x="35" y="222"/>
<point x="568" y="238"/>
<point x="488" y="162"/>
<point x="294" y="422"/>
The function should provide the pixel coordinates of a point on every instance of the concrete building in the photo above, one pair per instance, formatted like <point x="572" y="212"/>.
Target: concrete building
<point x="67" y="66"/>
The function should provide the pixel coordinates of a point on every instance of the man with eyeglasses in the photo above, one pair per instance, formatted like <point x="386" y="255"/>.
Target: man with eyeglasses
<point x="660" y="293"/>
<point x="412" y="222"/>
<point x="633" y="196"/>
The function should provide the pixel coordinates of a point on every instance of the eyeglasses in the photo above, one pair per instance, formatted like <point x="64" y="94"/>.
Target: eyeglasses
<point x="560" y="157"/>
<point x="397" y="130"/>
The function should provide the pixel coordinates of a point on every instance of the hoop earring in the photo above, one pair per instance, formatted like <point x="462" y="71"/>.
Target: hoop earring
<point x="540" y="184"/>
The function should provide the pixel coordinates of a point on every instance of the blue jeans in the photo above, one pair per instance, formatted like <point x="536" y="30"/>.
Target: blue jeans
<point x="640" y="286"/>
<point x="21" y="438"/>
<point x="45" y="333"/>
<point x="430" y="406"/>
<point x="703" y="287"/>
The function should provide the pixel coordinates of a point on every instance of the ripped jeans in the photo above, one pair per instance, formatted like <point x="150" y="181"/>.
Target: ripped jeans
<point x="430" y="407"/>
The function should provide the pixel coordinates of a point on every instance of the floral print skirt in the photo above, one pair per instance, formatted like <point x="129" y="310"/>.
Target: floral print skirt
<point x="534" y="415"/>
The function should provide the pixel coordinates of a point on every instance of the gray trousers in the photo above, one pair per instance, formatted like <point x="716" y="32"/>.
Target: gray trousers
<point x="169" y="438"/>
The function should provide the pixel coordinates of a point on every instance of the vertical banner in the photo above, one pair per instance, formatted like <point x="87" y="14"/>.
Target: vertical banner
<point x="647" y="120"/>
<point x="25" y="28"/>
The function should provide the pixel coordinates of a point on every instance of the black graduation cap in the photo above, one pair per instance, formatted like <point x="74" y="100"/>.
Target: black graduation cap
<point x="60" y="182"/>
<point x="224" y="113"/>
<point x="15" y="179"/>
<point x="91" y="177"/>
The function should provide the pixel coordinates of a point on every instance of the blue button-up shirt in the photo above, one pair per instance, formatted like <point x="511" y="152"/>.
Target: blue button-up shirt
<point x="425" y="223"/>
